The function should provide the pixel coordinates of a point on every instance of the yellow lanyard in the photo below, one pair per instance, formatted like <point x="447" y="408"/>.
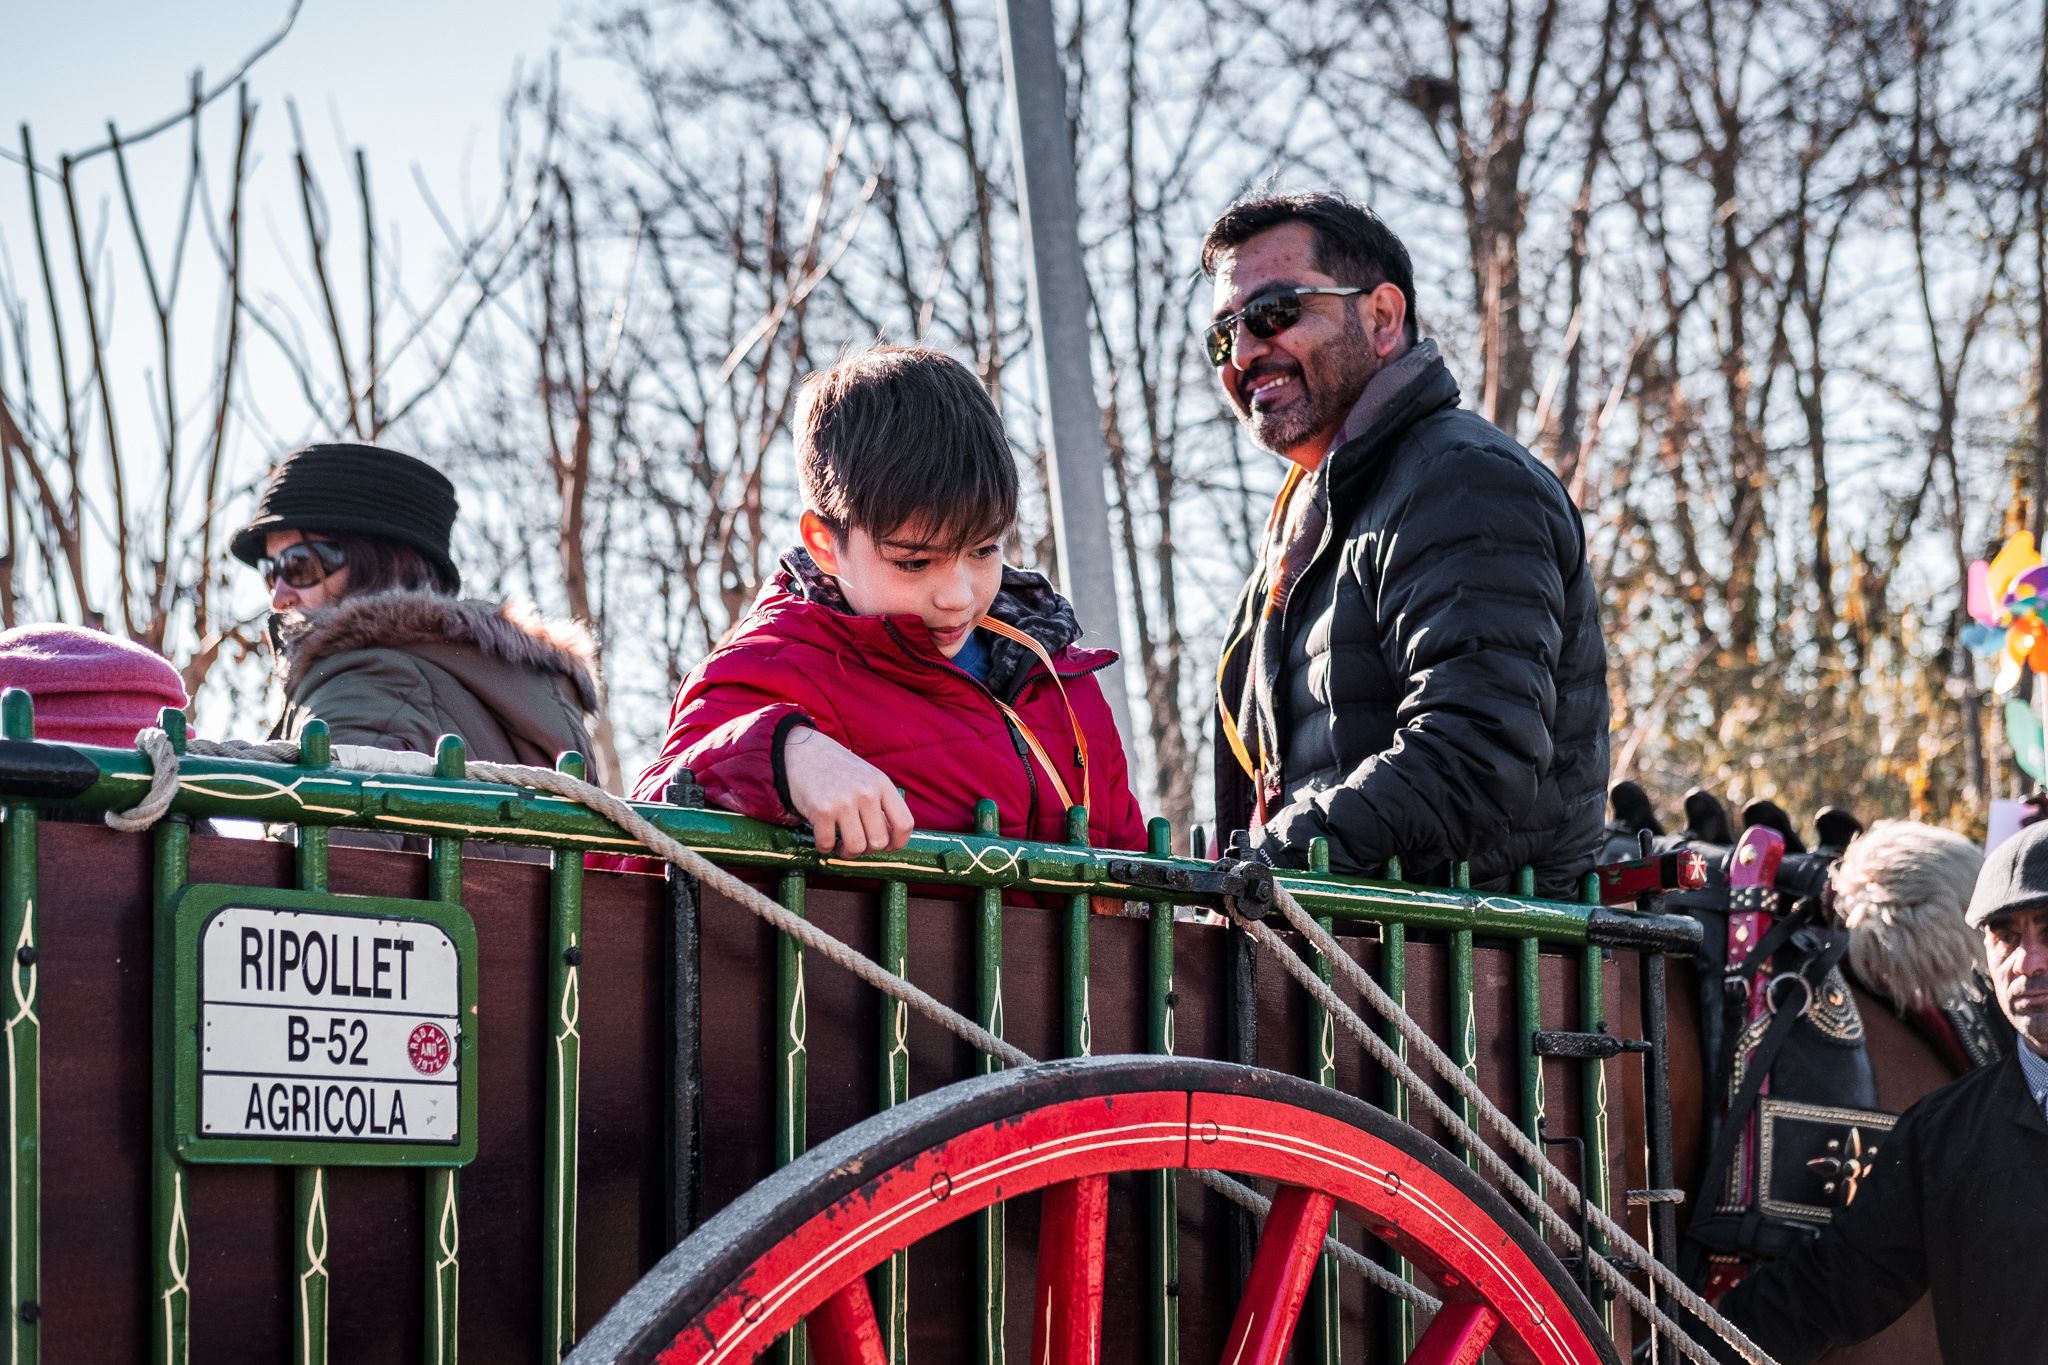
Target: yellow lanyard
<point x="1010" y="632"/>
<point x="1226" y="722"/>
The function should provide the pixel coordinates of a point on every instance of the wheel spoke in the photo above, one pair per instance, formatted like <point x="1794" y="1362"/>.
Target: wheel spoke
<point x="1458" y="1335"/>
<point x="1281" y="1269"/>
<point x="1060" y="1131"/>
<point x="843" y="1329"/>
<point x="1073" y="1237"/>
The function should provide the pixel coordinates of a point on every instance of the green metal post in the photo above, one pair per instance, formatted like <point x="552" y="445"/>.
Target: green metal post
<point x="1162" y="1203"/>
<point x="1593" y="1019"/>
<point x="890" y="1285"/>
<point x="1400" y="1314"/>
<point x="989" y="1224"/>
<point x="1324" y="1312"/>
<point x="560" y="1148"/>
<point x="1528" y="1019"/>
<point x="443" y="1208"/>
<point x="171" y="1243"/>
<point x="1463" y="1009"/>
<point x="309" y="1183"/>
<point x="792" y="1069"/>
<point x="23" y="1188"/>
<point x="1079" y="1037"/>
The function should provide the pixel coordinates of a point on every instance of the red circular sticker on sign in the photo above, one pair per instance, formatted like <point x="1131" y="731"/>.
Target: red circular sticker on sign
<point x="428" y="1048"/>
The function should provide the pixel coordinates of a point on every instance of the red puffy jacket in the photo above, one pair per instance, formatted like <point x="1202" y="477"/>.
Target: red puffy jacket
<point x="879" y="686"/>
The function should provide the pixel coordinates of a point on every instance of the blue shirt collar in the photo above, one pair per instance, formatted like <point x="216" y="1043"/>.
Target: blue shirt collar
<point x="973" y="656"/>
<point x="2035" y="1068"/>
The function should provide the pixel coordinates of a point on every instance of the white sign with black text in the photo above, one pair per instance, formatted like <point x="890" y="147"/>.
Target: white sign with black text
<point x="328" y="1027"/>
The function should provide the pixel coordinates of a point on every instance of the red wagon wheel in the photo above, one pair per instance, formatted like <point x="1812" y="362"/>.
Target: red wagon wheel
<point x="798" y="1245"/>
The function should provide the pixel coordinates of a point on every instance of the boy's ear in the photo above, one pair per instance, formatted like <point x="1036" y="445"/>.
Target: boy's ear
<point x="819" y="540"/>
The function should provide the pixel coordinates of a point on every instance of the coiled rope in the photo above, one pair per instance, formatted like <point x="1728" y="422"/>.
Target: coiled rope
<point x="156" y="745"/>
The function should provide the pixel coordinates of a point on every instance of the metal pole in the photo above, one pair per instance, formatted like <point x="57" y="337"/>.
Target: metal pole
<point x="1059" y="315"/>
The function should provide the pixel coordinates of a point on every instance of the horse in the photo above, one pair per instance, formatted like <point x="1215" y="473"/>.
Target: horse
<point x="1899" y="890"/>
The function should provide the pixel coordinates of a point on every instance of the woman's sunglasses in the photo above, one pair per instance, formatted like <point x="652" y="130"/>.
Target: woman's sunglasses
<point x="302" y="564"/>
<point x="1268" y="315"/>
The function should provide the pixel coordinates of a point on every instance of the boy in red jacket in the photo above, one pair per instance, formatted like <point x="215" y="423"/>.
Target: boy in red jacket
<point x="894" y="649"/>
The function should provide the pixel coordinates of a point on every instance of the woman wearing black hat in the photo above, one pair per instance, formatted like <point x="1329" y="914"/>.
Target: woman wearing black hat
<point x="370" y="635"/>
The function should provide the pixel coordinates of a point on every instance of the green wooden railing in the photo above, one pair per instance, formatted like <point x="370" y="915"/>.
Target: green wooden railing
<point x="449" y="810"/>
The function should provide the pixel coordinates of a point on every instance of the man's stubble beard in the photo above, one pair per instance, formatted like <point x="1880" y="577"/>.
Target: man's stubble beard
<point x="2032" y="1028"/>
<point x="1332" y="379"/>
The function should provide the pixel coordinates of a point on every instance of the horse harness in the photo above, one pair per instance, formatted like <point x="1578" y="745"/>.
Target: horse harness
<point x="1795" y="1126"/>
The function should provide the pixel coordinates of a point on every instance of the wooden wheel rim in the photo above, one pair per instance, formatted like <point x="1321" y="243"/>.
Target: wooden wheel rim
<point x="790" y="1246"/>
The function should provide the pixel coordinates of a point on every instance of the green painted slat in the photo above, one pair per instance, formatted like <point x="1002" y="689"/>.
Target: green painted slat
<point x="1528" y="1019"/>
<point x="1399" y="1324"/>
<point x="23" y="1190"/>
<point x="1078" y="1033"/>
<point x="1322" y="1336"/>
<point x="889" y="1285"/>
<point x="1593" y="1082"/>
<point x="443" y="1263"/>
<point x="989" y="1272"/>
<point x="1162" y="1203"/>
<point x="171" y="1242"/>
<point x="310" y="1279"/>
<point x="1464" y="1009"/>
<point x="792" y="1100"/>
<point x="561" y="1146"/>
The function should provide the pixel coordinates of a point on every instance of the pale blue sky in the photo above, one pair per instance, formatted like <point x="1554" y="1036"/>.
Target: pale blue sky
<point x="422" y="74"/>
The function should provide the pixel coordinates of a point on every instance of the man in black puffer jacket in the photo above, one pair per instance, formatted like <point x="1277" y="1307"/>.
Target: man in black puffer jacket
<point x="1415" y="669"/>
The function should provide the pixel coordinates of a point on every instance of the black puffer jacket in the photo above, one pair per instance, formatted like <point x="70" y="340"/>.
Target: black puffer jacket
<point x="1435" y="685"/>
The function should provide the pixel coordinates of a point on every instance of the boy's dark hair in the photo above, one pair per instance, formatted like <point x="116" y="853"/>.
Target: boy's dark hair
<point x="1353" y="245"/>
<point x="904" y="438"/>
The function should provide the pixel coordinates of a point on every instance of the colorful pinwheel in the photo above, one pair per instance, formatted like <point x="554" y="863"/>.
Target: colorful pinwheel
<point x="2008" y="599"/>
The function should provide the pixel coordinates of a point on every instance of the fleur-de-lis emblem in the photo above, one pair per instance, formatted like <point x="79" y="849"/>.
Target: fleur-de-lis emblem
<point x="1845" y="1170"/>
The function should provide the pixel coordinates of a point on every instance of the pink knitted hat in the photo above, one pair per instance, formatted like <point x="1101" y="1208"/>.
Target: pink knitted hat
<point x="89" y="688"/>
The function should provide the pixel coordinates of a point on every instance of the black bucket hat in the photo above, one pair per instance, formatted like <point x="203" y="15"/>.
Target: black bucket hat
<point x="356" y="490"/>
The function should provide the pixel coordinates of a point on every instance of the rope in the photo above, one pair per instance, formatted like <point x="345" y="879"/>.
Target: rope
<point x="164" y="760"/>
<point x="1516" y="1140"/>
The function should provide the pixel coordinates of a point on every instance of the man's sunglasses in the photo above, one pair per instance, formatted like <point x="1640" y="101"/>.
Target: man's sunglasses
<point x="302" y="564"/>
<point x="1268" y="315"/>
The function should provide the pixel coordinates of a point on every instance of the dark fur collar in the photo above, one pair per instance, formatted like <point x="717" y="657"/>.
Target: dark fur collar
<point x="513" y="634"/>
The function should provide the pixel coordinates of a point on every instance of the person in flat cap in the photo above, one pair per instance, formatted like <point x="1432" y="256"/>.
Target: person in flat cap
<point x="1953" y="1202"/>
<point x="371" y="636"/>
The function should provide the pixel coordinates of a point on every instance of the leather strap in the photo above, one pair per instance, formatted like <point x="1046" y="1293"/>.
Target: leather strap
<point x="1031" y="642"/>
<point x="1225" y="721"/>
<point x="1757" y="1071"/>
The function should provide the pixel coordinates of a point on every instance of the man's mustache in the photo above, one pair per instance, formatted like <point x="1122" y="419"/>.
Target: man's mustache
<point x="1262" y="371"/>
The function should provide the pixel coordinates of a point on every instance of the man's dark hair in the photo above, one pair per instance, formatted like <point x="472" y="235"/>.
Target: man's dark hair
<point x="379" y="565"/>
<point x="904" y="439"/>
<point x="1353" y="246"/>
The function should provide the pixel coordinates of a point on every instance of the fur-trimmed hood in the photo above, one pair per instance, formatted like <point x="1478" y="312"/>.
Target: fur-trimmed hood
<point x="1901" y="889"/>
<point x="503" y="632"/>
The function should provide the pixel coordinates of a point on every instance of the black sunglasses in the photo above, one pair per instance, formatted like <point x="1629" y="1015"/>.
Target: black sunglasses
<point x="302" y="564"/>
<point x="1268" y="315"/>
